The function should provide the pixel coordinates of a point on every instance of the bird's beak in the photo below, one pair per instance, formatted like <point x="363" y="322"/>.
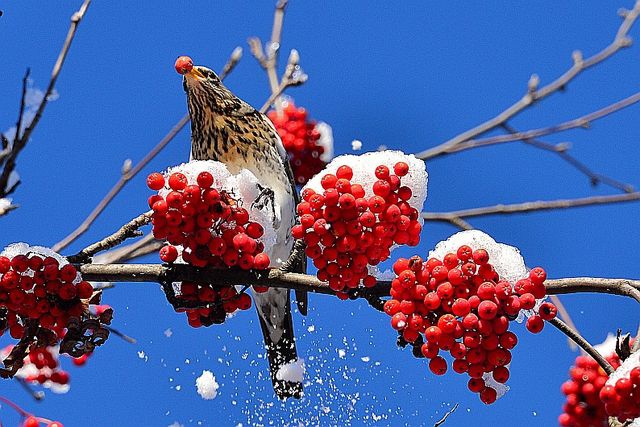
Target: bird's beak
<point x="194" y="75"/>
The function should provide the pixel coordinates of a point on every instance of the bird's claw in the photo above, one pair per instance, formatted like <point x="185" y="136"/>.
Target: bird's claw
<point x="267" y="197"/>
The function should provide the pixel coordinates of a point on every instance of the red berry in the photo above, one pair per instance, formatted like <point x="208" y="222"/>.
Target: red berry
<point x="155" y="181"/>
<point x="535" y="324"/>
<point x="401" y="168"/>
<point x="183" y="65"/>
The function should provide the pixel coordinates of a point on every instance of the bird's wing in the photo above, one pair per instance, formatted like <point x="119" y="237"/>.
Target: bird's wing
<point x="302" y="297"/>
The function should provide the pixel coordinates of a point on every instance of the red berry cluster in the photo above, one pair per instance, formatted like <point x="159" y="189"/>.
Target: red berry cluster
<point x="47" y="365"/>
<point x="32" y="421"/>
<point x="300" y="139"/>
<point x="460" y="305"/>
<point x="35" y="287"/>
<point x="583" y="407"/>
<point x="219" y="302"/>
<point x="207" y="228"/>
<point x="346" y="230"/>
<point x="622" y="398"/>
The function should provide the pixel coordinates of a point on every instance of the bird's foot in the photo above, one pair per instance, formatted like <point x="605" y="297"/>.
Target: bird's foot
<point x="267" y="197"/>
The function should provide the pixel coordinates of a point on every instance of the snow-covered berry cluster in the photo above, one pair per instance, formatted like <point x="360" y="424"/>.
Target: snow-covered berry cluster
<point x="207" y="225"/>
<point x="309" y="144"/>
<point x="346" y="231"/>
<point x="462" y="306"/>
<point x="351" y="223"/>
<point x="621" y="393"/>
<point x="42" y="366"/>
<point x="199" y="210"/>
<point x="38" y="285"/>
<point x="583" y="407"/>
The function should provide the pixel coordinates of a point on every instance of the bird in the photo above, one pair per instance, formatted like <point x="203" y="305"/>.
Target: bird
<point x="227" y="129"/>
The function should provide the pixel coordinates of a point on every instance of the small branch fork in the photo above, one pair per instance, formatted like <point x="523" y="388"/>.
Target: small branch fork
<point x="21" y="138"/>
<point x="535" y="94"/>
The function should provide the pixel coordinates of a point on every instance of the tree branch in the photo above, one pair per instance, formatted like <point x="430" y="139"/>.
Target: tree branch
<point x="534" y="94"/>
<point x="21" y="141"/>
<point x="540" y="205"/>
<point x="580" y="122"/>
<point x="446" y="415"/>
<point x="584" y="344"/>
<point x="562" y="151"/>
<point x="128" y="230"/>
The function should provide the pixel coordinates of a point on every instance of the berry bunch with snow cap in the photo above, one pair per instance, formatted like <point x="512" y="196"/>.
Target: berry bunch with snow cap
<point x="309" y="144"/>
<point x="583" y="407"/>
<point x="42" y="366"/>
<point x="43" y="298"/>
<point x="462" y="300"/>
<point x="355" y="211"/>
<point x="211" y="218"/>
<point x="621" y="393"/>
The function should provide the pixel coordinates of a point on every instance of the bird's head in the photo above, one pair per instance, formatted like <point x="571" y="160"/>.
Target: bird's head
<point x="196" y="78"/>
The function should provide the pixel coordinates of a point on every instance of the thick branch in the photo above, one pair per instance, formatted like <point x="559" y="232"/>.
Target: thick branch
<point x="21" y="141"/>
<point x="534" y="94"/>
<point x="530" y="207"/>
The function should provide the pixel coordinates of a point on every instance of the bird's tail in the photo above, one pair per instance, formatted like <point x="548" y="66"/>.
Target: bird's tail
<point x="281" y="352"/>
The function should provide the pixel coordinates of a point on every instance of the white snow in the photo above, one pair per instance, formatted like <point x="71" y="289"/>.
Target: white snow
<point x="293" y="371"/>
<point x="5" y="204"/>
<point x="356" y="145"/>
<point x="33" y="98"/>
<point x="22" y="248"/>
<point x="325" y="141"/>
<point x="608" y="346"/>
<point x="243" y="187"/>
<point x="506" y="260"/>
<point x="207" y="386"/>
<point x="501" y="389"/>
<point x="364" y="167"/>
<point x="625" y="369"/>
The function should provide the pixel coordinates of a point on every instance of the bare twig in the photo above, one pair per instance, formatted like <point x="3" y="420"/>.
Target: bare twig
<point x="534" y="94"/>
<point x="128" y="175"/>
<point x="293" y="76"/>
<point x="128" y="230"/>
<point x="580" y="122"/>
<point x="269" y="62"/>
<point x="36" y="395"/>
<point x="119" y="334"/>
<point x="142" y="247"/>
<point x="584" y="344"/>
<point x="562" y="151"/>
<point x="21" y="141"/>
<point x="16" y="137"/>
<point x="446" y="415"/>
<point x="531" y="207"/>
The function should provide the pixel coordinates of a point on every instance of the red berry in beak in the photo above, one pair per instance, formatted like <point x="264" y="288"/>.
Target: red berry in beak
<point x="183" y="65"/>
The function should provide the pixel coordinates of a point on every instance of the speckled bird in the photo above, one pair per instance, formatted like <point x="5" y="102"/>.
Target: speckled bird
<point x="227" y="129"/>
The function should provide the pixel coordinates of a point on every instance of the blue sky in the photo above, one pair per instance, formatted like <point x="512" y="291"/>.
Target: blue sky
<point x="407" y="75"/>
